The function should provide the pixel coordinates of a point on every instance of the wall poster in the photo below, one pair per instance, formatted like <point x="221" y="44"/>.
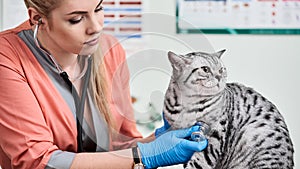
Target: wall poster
<point x="123" y="20"/>
<point x="238" y="16"/>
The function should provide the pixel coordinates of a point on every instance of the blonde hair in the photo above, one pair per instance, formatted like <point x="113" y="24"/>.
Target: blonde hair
<point x="98" y="86"/>
<point x="44" y="7"/>
<point x="98" y="79"/>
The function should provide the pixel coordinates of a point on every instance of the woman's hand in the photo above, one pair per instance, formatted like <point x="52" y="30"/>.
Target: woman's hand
<point x="162" y="129"/>
<point x="172" y="147"/>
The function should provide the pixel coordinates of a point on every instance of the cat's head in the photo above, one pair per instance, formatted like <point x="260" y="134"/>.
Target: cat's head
<point x="199" y="73"/>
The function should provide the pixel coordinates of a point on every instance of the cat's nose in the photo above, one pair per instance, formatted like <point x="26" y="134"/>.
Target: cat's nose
<point x="218" y="77"/>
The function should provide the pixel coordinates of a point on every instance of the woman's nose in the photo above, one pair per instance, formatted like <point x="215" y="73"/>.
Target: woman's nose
<point x="95" y="25"/>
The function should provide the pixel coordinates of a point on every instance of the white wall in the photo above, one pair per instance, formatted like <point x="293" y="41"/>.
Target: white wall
<point x="268" y="63"/>
<point x="1" y="14"/>
<point x="12" y="13"/>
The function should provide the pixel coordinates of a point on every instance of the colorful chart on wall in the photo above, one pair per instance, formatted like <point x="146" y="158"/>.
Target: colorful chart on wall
<point x="238" y="16"/>
<point x="123" y="20"/>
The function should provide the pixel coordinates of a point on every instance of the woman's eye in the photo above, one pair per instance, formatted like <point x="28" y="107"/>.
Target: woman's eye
<point x="99" y="9"/>
<point x="205" y="69"/>
<point x="75" y="20"/>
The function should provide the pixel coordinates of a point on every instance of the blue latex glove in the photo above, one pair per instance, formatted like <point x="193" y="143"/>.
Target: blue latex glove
<point x="162" y="129"/>
<point x="171" y="148"/>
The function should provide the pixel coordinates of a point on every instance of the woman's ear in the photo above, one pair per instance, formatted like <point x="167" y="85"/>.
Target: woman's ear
<point x="34" y="16"/>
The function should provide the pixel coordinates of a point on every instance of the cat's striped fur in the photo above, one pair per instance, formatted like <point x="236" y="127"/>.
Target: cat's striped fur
<point x="247" y="130"/>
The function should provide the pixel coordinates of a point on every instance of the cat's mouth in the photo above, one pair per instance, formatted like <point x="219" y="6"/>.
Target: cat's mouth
<point x="206" y="84"/>
<point x="197" y="81"/>
<point x="211" y="84"/>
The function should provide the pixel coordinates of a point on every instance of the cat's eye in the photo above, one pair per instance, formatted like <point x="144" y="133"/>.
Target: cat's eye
<point x="205" y="69"/>
<point x="222" y="70"/>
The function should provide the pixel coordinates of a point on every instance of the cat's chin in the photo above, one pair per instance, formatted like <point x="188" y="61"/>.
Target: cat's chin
<point x="210" y="92"/>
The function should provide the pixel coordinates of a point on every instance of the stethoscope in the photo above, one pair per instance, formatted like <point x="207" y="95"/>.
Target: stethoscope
<point x="35" y="32"/>
<point x="60" y="71"/>
<point x="79" y="103"/>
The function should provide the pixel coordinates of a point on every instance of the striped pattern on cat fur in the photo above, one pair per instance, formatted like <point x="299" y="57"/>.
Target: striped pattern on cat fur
<point x="247" y="130"/>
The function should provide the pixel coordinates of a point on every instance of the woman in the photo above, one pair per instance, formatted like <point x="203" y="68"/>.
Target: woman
<point x="59" y="104"/>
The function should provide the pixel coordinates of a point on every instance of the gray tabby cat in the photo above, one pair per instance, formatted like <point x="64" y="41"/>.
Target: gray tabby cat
<point x="247" y="130"/>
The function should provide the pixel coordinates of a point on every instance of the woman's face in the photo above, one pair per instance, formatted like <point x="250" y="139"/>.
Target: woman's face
<point x="75" y="26"/>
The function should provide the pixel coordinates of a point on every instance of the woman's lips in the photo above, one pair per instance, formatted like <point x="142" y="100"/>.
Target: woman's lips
<point x="92" y="42"/>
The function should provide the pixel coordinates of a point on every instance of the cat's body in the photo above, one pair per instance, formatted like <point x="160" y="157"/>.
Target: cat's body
<point x="247" y="130"/>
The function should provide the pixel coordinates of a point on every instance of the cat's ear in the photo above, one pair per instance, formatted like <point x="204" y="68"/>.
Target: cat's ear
<point x="220" y="53"/>
<point x="178" y="61"/>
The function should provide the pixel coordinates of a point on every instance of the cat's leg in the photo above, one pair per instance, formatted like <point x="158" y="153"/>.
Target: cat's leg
<point x="197" y="162"/>
<point x="207" y="159"/>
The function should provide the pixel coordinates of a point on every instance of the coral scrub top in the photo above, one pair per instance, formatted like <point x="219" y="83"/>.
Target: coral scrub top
<point x="36" y="121"/>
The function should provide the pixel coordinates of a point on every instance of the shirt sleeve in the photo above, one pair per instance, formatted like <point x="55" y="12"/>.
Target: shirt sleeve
<point x="118" y="75"/>
<point x="60" y="159"/>
<point x="27" y="141"/>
